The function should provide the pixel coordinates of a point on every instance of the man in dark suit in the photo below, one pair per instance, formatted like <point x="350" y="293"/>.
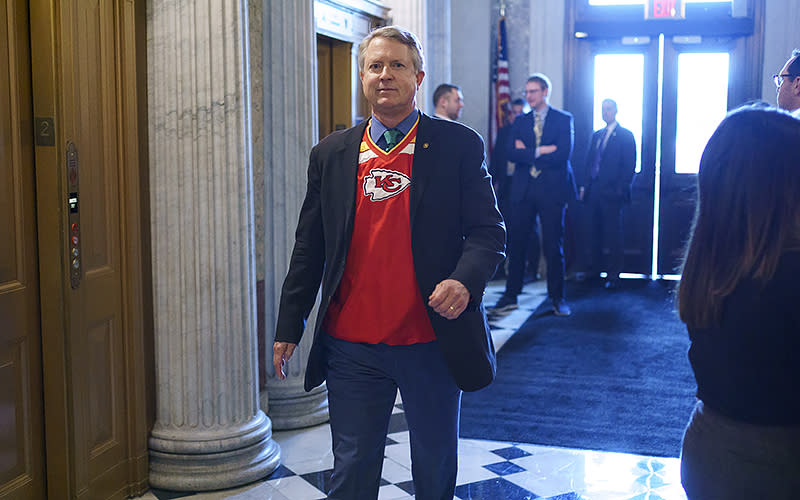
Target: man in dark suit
<point x="502" y="170"/>
<point x="607" y="177"/>
<point x="401" y="227"/>
<point x="542" y="184"/>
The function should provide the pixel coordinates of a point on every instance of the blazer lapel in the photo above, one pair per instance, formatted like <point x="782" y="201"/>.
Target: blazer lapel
<point x="343" y="190"/>
<point x="422" y="166"/>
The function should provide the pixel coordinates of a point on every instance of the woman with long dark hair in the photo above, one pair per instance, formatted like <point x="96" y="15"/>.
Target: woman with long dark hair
<point x="740" y="299"/>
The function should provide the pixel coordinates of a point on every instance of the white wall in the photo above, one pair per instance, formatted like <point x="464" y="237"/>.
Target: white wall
<point x="546" y="48"/>
<point x="782" y="34"/>
<point x="471" y="52"/>
<point x="535" y="30"/>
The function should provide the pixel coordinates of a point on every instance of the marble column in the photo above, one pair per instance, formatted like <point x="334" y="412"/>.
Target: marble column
<point x="209" y="432"/>
<point x="412" y="15"/>
<point x="290" y="129"/>
<point x="519" y="15"/>
<point x="438" y="66"/>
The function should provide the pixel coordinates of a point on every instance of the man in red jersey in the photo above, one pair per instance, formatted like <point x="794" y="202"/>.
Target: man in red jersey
<point x="400" y="227"/>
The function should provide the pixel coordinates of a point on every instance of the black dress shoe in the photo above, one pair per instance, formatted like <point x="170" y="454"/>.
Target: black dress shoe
<point x="560" y="308"/>
<point x="506" y="304"/>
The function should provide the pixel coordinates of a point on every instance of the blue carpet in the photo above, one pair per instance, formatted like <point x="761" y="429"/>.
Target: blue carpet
<point x="614" y="376"/>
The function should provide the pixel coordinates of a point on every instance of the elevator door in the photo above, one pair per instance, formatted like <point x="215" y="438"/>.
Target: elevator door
<point x="72" y="421"/>
<point x="21" y="409"/>
<point x="84" y="75"/>
<point x="335" y="85"/>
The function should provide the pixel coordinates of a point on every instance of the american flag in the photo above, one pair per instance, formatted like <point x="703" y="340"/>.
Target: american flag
<point x="501" y="96"/>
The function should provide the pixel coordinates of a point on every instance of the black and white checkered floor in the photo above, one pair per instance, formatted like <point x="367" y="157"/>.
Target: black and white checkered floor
<point x="487" y="469"/>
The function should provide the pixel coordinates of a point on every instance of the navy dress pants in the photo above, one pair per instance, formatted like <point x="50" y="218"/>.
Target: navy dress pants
<point x="362" y="381"/>
<point x="605" y="219"/>
<point x="523" y="220"/>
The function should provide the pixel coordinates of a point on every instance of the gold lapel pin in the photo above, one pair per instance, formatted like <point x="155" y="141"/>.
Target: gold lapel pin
<point x="425" y="146"/>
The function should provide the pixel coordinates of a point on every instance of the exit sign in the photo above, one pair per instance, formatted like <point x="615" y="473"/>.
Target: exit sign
<point x="664" y="9"/>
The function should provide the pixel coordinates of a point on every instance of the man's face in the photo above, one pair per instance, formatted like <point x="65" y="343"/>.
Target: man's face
<point x="535" y="95"/>
<point x="453" y="103"/>
<point x="516" y="110"/>
<point x="388" y="77"/>
<point x="609" y="111"/>
<point x="789" y="91"/>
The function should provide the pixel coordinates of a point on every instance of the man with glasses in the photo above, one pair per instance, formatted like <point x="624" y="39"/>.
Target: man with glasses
<point x="543" y="182"/>
<point x="788" y="83"/>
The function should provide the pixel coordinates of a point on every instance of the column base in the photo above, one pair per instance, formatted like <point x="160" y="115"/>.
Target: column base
<point x="296" y="411"/>
<point x="173" y="468"/>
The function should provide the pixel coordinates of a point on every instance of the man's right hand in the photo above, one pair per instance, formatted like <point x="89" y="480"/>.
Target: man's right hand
<point x="546" y="150"/>
<point x="281" y="353"/>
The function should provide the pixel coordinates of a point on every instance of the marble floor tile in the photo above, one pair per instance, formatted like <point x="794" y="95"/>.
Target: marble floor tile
<point x="488" y="470"/>
<point x="394" y="472"/>
<point x="296" y="488"/>
<point x="391" y="492"/>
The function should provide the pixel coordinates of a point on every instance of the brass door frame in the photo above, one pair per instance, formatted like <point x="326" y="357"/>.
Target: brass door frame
<point x="50" y="66"/>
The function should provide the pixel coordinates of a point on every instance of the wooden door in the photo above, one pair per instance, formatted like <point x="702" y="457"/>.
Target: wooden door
<point x="21" y="429"/>
<point x="696" y="99"/>
<point x="85" y="78"/>
<point x="624" y="72"/>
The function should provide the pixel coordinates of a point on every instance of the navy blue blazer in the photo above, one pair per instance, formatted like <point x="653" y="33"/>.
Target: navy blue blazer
<point x="556" y="183"/>
<point x="456" y="232"/>
<point x="617" y="166"/>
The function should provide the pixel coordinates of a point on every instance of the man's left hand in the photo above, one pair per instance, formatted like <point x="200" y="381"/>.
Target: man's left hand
<point x="449" y="298"/>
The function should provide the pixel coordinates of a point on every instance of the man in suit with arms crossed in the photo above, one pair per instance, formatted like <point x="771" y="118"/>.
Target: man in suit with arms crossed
<point x="543" y="183"/>
<point x="401" y="228"/>
<point x="607" y="178"/>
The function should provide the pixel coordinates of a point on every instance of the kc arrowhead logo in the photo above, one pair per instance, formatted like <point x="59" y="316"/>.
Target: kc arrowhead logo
<point x="382" y="184"/>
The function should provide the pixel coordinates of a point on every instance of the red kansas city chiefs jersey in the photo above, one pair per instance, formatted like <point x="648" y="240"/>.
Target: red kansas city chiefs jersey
<point x="378" y="300"/>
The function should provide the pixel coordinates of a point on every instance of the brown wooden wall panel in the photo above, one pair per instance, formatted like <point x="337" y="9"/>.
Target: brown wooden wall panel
<point x="8" y="206"/>
<point x="96" y="136"/>
<point x="12" y="439"/>
<point x="101" y="397"/>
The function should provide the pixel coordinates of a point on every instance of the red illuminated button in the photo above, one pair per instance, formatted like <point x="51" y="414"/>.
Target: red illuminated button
<point x="74" y="228"/>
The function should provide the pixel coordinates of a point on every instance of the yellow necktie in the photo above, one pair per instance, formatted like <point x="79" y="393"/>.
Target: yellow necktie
<point x="538" y="126"/>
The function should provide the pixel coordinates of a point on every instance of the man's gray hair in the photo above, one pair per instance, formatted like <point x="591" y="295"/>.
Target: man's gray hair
<point x="397" y="34"/>
<point x="794" y="68"/>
